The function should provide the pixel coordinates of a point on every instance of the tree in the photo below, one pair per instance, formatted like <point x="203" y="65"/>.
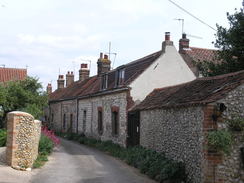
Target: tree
<point x="230" y="42"/>
<point x="26" y="95"/>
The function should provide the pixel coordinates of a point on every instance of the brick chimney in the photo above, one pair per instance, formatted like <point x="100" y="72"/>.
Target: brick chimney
<point x="84" y="72"/>
<point x="103" y="64"/>
<point x="167" y="41"/>
<point x="183" y="43"/>
<point x="60" y="81"/>
<point x="69" y="78"/>
<point x="49" y="88"/>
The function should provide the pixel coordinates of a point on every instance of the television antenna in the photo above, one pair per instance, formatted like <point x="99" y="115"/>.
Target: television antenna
<point x="109" y="54"/>
<point x="181" y="20"/>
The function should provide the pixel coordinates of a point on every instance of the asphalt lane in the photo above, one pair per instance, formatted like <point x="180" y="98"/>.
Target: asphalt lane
<point x="75" y="163"/>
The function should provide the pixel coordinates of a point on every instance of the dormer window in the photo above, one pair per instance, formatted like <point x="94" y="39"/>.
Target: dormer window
<point x="120" y="77"/>
<point x="104" y="82"/>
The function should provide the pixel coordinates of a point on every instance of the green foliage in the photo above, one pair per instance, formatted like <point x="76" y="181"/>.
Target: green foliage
<point x="3" y="137"/>
<point x="236" y="124"/>
<point x="220" y="140"/>
<point x="149" y="162"/>
<point x="46" y="146"/>
<point x="230" y="42"/>
<point x="23" y="95"/>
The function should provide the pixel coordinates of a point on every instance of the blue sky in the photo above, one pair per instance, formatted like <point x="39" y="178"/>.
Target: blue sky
<point x="56" y="36"/>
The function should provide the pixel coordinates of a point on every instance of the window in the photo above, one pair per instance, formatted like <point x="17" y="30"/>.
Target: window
<point x="84" y="120"/>
<point x="104" y="82"/>
<point x="100" y="121"/>
<point x="71" y="123"/>
<point x="115" y="120"/>
<point x="52" y="118"/>
<point x="120" y="77"/>
<point x="64" y="121"/>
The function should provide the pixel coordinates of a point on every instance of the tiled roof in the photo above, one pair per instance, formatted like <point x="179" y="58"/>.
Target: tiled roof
<point x="195" y="55"/>
<point x="12" y="74"/>
<point x="199" y="91"/>
<point x="92" y="85"/>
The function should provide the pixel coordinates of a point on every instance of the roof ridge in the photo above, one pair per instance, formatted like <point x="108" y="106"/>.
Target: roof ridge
<point x="211" y="49"/>
<point x="221" y="76"/>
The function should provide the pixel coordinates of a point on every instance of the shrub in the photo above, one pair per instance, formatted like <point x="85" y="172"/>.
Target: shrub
<point x="3" y="137"/>
<point x="220" y="140"/>
<point x="45" y="145"/>
<point x="236" y="124"/>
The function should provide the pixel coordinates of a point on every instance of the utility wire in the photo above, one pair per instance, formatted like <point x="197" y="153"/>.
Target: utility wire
<point x="192" y="15"/>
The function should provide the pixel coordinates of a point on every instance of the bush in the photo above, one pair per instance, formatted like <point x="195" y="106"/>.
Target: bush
<point x="149" y="162"/>
<point x="45" y="147"/>
<point x="220" y="140"/>
<point x="236" y="124"/>
<point x="3" y="137"/>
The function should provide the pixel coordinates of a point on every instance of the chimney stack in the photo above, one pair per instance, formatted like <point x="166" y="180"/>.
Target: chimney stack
<point x="60" y="81"/>
<point x="69" y="78"/>
<point x="167" y="41"/>
<point x="103" y="64"/>
<point x="183" y="43"/>
<point x="49" y="88"/>
<point x="83" y="72"/>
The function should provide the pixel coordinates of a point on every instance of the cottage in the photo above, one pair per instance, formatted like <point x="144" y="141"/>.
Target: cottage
<point x="176" y="120"/>
<point x="98" y="106"/>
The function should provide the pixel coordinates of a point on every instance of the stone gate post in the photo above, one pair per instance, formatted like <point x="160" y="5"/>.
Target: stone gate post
<point x="23" y="134"/>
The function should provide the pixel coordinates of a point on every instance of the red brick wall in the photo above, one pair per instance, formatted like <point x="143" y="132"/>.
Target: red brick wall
<point x="212" y="158"/>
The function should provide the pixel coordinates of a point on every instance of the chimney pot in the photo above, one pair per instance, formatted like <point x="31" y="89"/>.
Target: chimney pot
<point x="84" y="72"/>
<point x="83" y="66"/>
<point x="101" y="55"/>
<point x="183" y="43"/>
<point x="167" y="36"/>
<point x="105" y="56"/>
<point x="72" y="73"/>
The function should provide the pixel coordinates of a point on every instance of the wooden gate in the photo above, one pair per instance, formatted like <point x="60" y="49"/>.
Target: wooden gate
<point x="133" y="138"/>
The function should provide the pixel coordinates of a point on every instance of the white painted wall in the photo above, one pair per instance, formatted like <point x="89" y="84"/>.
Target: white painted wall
<point x="169" y="69"/>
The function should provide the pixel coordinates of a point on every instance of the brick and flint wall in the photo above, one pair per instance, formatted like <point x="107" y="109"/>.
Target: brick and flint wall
<point x="178" y="133"/>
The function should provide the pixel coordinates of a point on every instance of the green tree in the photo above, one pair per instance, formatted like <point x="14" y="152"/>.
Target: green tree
<point x="26" y="95"/>
<point x="230" y="42"/>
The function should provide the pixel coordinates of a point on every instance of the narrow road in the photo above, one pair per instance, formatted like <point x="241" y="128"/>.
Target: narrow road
<point x="75" y="163"/>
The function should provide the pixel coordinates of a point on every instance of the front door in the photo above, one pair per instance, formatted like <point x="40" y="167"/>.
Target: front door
<point x="133" y="138"/>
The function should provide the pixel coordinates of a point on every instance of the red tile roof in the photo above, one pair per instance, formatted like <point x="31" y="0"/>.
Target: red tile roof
<point x="199" y="91"/>
<point x="91" y="86"/>
<point x="195" y="55"/>
<point x="12" y="74"/>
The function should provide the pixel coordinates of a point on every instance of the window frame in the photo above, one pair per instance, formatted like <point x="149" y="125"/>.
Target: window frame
<point x="115" y="121"/>
<point x="64" y="122"/>
<point x="104" y="82"/>
<point x="84" y="120"/>
<point x="100" y="120"/>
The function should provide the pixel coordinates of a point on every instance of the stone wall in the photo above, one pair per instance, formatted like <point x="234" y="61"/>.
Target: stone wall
<point x="105" y="102"/>
<point x="23" y="134"/>
<point x="230" y="169"/>
<point x="178" y="133"/>
<point x="59" y="110"/>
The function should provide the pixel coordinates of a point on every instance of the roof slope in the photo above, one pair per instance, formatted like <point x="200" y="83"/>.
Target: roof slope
<point x="12" y="74"/>
<point x="199" y="91"/>
<point x="92" y="85"/>
<point x="195" y="55"/>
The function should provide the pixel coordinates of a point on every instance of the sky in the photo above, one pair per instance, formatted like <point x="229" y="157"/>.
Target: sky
<point x="51" y="37"/>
